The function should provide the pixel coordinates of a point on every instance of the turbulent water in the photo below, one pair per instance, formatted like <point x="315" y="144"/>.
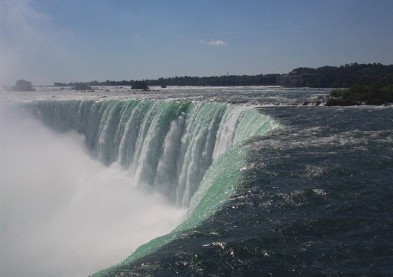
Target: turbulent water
<point x="276" y="189"/>
<point x="166" y="145"/>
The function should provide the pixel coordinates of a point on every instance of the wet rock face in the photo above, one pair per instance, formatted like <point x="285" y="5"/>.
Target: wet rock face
<point x="319" y="101"/>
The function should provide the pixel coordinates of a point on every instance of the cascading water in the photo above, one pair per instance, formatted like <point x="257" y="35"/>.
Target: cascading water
<point x="310" y="199"/>
<point x="189" y="151"/>
<point x="166" y="145"/>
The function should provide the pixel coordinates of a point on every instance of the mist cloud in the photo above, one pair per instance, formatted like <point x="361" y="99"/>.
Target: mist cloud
<point x="62" y="214"/>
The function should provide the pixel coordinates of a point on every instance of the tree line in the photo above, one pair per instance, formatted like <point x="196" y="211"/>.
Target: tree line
<point x="343" y="76"/>
<point x="347" y="75"/>
<point x="227" y="80"/>
<point x="376" y="94"/>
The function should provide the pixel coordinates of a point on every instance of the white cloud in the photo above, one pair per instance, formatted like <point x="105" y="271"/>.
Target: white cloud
<point x="212" y="42"/>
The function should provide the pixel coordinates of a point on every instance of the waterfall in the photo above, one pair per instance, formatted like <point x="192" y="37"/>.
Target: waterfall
<point x="166" y="145"/>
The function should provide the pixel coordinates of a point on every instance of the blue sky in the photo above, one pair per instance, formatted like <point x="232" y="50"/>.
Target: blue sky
<point x="49" y="40"/>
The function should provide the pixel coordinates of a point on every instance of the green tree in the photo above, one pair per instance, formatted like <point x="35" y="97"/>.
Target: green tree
<point x="23" y="85"/>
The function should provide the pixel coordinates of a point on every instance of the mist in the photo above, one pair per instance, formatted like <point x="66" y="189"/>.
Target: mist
<point x="62" y="213"/>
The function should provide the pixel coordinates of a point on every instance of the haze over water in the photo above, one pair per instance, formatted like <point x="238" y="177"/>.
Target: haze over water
<point x="289" y="189"/>
<point x="62" y="213"/>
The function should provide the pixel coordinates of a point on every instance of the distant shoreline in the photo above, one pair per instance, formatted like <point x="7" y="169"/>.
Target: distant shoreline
<point x="343" y="76"/>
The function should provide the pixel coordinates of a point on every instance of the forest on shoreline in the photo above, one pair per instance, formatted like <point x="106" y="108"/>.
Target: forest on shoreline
<point x="343" y="76"/>
<point x="352" y="84"/>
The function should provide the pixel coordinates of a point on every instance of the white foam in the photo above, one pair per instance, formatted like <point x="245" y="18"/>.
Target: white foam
<point x="63" y="214"/>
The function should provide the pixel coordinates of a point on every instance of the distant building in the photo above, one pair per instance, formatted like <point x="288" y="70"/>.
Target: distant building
<point x="294" y="79"/>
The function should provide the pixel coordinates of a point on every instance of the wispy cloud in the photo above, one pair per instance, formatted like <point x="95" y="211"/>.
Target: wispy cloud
<point x="212" y="42"/>
<point x="31" y="48"/>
